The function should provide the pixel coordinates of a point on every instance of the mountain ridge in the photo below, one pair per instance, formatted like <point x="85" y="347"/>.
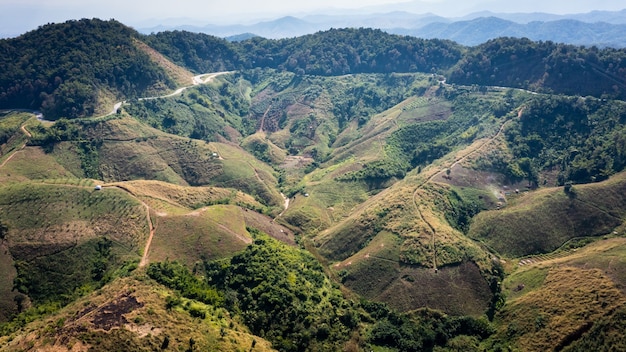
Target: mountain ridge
<point x="536" y="26"/>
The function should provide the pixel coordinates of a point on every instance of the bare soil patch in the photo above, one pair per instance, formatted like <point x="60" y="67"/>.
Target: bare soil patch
<point x="111" y="315"/>
<point x="496" y="183"/>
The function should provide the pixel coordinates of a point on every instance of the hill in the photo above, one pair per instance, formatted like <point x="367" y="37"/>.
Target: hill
<point x="70" y="70"/>
<point x="402" y="200"/>
<point x="557" y="217"/>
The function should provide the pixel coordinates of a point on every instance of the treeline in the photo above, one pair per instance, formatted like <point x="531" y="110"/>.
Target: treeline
<point x="60" y="69"/>
<point x="63" y="68"/>
<point x="544" y="66"/>
<point x="283" y="295"/>
<point x="332" y="52"/>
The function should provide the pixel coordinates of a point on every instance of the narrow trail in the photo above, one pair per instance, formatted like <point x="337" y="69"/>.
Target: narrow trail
<point x="263" y="119"/>
<point x="144" y="257"/>
<point x="286" y="205"/>
<point x="432" y="177"/>
<point x="11" y="156"/>
<point x="14" y="152"/>
<point x="151" y="228"/>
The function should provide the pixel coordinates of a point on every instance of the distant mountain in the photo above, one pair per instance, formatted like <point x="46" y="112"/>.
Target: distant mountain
<point x="481" y="29"/>
<point x="613" y="17"/>
<point x="600" y="28"/>
<point x="289" y="26"/>
<point x="284" y="27"/>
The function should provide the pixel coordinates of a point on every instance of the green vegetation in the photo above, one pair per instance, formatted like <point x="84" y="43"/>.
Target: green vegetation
<point x="177" y="277"/>
<point x="555" y="217"/>
<point x="200" y="113"/>
<point x="543" y="66"/>
<point x="393" y="176"/>
<point x="284" y="296"/>
<point x="60" y="68"/>
<point x="584" y="139"/>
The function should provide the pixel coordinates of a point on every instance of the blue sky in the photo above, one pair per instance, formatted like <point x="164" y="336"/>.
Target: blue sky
<point x="18" y="16"/>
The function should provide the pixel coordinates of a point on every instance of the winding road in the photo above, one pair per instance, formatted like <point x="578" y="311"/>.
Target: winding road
<point x="196" y="80"/>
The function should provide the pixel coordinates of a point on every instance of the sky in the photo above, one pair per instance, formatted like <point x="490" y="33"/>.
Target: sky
<point x="18" y="16"/>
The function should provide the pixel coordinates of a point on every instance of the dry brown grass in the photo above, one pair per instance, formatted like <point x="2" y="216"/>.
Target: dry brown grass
<point x="32" y="163"/>
<point x="130" y="313"/>
<point x="157" y="192"/>
<point x="180" y="75"/>
<point x="569" y="300"/>
<point x="210" y="233"/>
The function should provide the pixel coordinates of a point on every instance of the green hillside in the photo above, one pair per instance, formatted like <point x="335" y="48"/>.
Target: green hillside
<point x="347" y="190"/>
<point x="543" y="221"/>
<point x="71" y="69"/>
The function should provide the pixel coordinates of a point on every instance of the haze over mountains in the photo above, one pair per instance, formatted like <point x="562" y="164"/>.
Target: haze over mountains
<point x="600" y="28"/>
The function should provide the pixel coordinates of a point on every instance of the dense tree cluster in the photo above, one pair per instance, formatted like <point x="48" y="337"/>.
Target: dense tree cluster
<point x="60" y="68"/>
<point x="198" y="52"/>
<point x="544" y="66"/>
<point x="284" y="296"/>
<point x="584" y="139"/>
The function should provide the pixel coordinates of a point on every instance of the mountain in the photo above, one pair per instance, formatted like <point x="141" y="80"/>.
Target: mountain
<point x="482" y="29"/>
<point x="612" y="17"/>
<point x="44" y="67"/>
<point x="290" y="26"/>
<point x="599" y="28"/>
<point x="346" y="190"/>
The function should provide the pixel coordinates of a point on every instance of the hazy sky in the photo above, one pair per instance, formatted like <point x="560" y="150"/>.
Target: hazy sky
<point x="20" y="15"/>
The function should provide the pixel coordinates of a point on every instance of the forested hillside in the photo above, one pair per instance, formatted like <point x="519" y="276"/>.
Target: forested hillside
<point x="71" y="69"/>
<point x="544" y="66"/>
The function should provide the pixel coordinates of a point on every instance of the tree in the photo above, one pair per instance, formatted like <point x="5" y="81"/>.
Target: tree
<point x="4" y="230"/>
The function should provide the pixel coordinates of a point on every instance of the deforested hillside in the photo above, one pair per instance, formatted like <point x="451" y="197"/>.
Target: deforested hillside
<point x="346" y="190"/>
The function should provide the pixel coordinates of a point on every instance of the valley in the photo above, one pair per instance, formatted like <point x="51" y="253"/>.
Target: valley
<point x="355" y="199"/>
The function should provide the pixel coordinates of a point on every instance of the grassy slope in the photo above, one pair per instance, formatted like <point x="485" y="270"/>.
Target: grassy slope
<point x="8" y="306"/>
<point x="54" y="228"/>
<point x="569" y="300"/>
<point x="196" y="223"/>
<point x="131" y="150"/>
<point x="391" y="219"/>
<point x="542" y="221"/>
<point x="129" y="314"/>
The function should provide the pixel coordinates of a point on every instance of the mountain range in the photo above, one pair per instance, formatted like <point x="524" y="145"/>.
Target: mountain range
<point x="599" y="28"/>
